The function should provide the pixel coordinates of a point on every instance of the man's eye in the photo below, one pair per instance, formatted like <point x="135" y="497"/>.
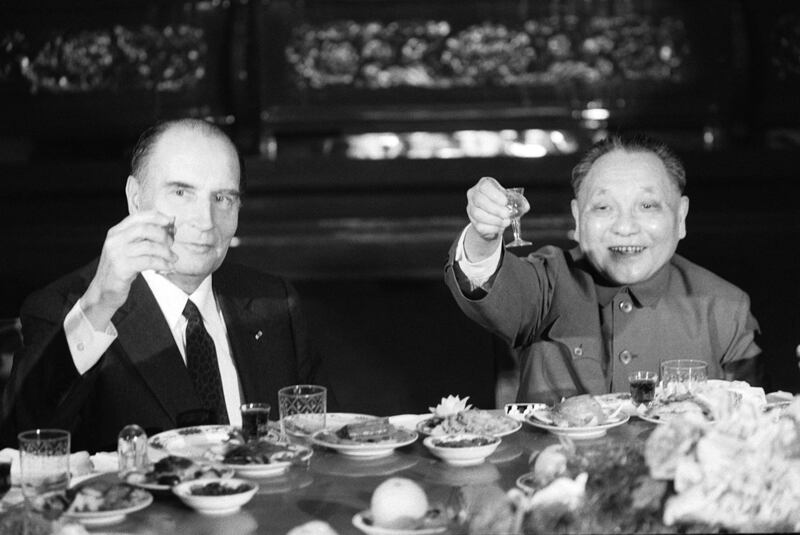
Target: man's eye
<point x="225" y="200"/>
<point x="651" y="205"/>
<point x="180" y="192"/>
<point x="601" y="207"/>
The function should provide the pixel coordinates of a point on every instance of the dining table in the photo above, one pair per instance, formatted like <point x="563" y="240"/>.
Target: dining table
<point x="333" y="488"/>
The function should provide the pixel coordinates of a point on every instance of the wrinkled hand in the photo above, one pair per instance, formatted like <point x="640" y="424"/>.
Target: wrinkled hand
<point x="487" y="208"/>
<point x="139" y="242"/>
<point x="489" y="215"/>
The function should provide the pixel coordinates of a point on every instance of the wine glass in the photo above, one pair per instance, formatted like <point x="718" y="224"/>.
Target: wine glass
<point x="515" y="201"/>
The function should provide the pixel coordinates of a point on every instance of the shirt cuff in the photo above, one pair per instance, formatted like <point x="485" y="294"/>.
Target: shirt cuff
<point x="478" y="273"/>
<point x="85" y="343"/>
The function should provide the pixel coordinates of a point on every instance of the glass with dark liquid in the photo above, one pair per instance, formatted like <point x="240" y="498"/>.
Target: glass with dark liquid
<point x="643" y="386"/>
<point x="255" y="420"/>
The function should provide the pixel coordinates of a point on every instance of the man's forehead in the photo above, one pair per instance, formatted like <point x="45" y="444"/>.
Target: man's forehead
<point x="640" y="171"/>
<point x="180" y="145"/>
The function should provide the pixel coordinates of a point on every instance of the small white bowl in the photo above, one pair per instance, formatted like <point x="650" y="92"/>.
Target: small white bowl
<point x="462" y="455"/>
<point x="222" y="504"/>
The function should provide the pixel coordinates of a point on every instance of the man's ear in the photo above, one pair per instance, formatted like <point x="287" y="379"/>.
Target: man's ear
<point x="132" y="192"/>
<point x="576" y="215"/>
<point x="683" y="211"/>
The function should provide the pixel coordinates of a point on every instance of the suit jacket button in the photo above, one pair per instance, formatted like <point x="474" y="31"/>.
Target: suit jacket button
<point x="625" y="306"/>
<point x="625" y="356"/>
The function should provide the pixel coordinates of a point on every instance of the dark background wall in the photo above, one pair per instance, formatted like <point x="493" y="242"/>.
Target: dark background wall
<point x="365" y="241"/>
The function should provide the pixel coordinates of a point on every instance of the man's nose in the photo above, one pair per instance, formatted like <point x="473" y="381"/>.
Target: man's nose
<point x="625" y="224"/>
<point x="202" y="215"/>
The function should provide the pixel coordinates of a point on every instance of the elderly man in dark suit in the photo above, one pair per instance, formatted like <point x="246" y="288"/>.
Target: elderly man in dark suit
<point x="157" y="331"/>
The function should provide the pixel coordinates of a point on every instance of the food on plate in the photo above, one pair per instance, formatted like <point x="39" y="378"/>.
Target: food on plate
<point x="578" y="411"/>
<point x="398" y="503"/>
<point x="741" y="472"/>
<point x="473" y="421"/>
<point x="465" y="442"/>
<point x="261" y="452"/>
<point x="218" y="488"/>
<point x="689" y="407"/>
<point x="450" y="405"/>
<point x="171" y="470"/>
<point x="103" y="495"/>
<point x="372" y="430"/>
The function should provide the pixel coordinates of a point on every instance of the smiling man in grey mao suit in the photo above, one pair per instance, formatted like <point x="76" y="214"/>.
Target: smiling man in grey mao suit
<point x="145" y="334"/>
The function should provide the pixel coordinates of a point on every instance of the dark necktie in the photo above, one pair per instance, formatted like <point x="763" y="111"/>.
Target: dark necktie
<point x="201" y="360"/>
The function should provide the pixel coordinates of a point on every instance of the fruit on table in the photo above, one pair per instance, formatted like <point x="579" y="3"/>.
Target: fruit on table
<point x="398" y="503"/>
<point x="550" y="464"/>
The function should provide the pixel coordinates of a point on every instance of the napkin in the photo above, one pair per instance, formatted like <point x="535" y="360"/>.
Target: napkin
<point x="79" y="463"/>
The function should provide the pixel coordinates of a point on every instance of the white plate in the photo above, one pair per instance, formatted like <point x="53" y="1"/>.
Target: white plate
<point x="273" y="468"/>
<point x="542" y="420"/>
<point x="363" y="521"/>
<point x="207" y="443"/>
<point x="334" y="420"/>
<point x="225" y="473"/>
<point x="365" y="450"/>
<point x="427" y="426"/>
<point x="193" y="442"/>
<point x="651" y="419"/>
<point x="408" y="421"/>
<point x="104" y="518"/>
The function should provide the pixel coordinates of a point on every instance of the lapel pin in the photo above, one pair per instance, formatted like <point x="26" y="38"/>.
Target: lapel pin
<point x="258" y="335"/>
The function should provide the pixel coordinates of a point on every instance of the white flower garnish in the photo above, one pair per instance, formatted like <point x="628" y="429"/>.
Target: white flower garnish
<point x="450" y="405"/>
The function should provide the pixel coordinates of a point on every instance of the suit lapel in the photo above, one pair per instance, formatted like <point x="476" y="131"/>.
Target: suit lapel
<point x="146" y="340"/>
<point x="247" y="335"/>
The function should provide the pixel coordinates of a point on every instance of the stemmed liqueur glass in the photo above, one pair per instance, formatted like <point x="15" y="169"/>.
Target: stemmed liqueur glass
<point x="515" y="201"/>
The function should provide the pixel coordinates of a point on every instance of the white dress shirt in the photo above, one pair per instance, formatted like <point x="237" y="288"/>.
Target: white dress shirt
<point x="477" y="272"/>
<point x="88" y="345"/>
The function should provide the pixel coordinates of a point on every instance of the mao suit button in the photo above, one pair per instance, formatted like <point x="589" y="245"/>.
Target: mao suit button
<point x="626" y="307"/>
<point x="625" y="356"/>
<point x="81" y="346"/>
<point x="578" y="351"/>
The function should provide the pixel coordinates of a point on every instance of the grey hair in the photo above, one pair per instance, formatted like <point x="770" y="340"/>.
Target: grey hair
<point x="637" y="143"/>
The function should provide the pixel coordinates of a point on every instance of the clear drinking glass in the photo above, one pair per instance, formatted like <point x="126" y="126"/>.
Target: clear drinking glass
<point x="302" y="409"/>
<point x="255" y="420"/>
<point x="44" y="464"/>
<point x="514" y="197"/>
<point x="681" y="376"/>
<point x="131" y="450"/>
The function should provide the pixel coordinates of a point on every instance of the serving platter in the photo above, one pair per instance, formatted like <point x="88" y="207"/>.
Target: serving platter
<point x="541" y="419"/>
<point x="333" y="420"/>
<point x="194" y="442"/>
<point x="364" y="450"/>
<point x="507" y="426"/>
<point x="363" y="521"/>
<point x="223" y="473"/>
<point x="110" y="516"/>
<point x="209" y="442"/>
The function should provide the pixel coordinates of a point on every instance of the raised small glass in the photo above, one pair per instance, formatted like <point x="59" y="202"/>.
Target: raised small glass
<point x="680" y="377"/>
<point x="255" y="420"/>
<point x="515" y="200"/>
<point x="302" y="409"/>
<point x="44" y="464"/>
<point x="643" y="386"/>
